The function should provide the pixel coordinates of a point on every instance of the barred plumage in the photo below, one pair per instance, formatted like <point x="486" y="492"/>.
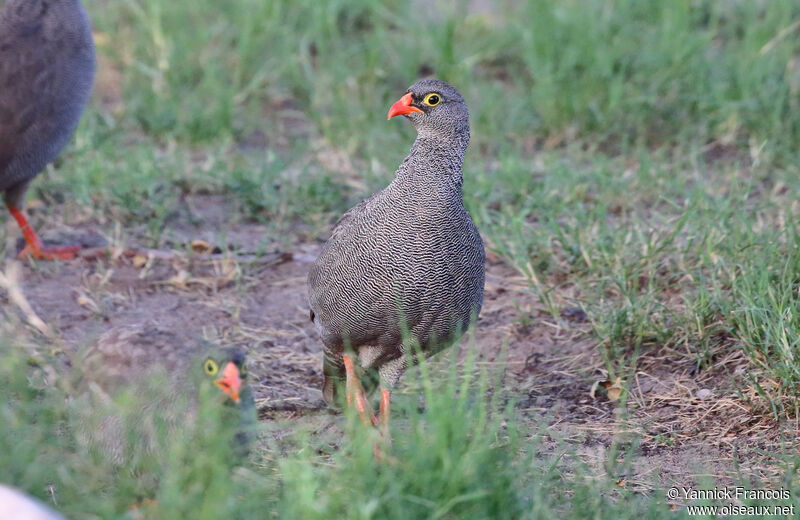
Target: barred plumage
<point x="409" y="258"/>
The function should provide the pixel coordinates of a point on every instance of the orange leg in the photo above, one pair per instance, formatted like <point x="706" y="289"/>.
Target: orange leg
<point x="135" y="511"/>
<point x="34" y="246"/>
<point x="383" y="423"/>
<point x="384" y="412"/>
<point x="356" y="396"/>
<point x="355" y="393"/>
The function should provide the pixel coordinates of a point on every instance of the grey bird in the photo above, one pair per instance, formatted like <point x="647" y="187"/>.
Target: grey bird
<point x="167" y="377"/>
<point x="402" y="274"/>
<point x="47" y="65"/>
<point x="16" y="505"/>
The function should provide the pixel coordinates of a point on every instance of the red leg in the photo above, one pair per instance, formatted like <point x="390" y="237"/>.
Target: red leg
<point x="355" y="393"/>
<point x="34" y="246"/>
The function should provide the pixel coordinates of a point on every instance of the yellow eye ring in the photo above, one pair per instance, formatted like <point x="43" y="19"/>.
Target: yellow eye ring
<point x="210" y="367"/>
<point x="432" y="99"/>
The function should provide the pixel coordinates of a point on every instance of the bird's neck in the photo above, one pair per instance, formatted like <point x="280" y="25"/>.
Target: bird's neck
<point x="435" y="159"/>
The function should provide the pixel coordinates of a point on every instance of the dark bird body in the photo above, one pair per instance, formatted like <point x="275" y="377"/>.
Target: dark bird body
<point x="47" y="65"/>
<point x="407" y="259"/>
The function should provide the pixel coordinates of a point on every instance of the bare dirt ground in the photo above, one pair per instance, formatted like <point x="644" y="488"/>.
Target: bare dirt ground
<point x="681" y="424"/>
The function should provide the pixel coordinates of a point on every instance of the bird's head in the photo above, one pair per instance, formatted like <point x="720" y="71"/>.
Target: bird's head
<point x="225" y="368"/>
<point x="435" y="108"/>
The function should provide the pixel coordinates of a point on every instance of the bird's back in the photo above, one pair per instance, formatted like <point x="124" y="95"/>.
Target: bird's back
<point x="47" y="66"/>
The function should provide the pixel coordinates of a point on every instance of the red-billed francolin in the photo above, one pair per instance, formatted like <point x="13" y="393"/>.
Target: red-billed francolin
<point x="402" y="274"/>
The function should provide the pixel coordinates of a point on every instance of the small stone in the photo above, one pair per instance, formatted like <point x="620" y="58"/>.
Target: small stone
<point x="201" y="246"/>
<point x="704" y="393"/>
<point x="574" y="314"/>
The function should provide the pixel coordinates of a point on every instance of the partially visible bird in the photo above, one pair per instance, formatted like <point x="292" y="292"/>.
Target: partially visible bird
<point x="406" y="265"/>
<point x="167" y="377"/>
<point x="16" y="505"/>
<point x="47" y="65"/>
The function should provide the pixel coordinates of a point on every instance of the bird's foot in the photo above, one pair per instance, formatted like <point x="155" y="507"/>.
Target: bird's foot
<point x="50" y="253"/>
<point x="34" y="245"/>
<point x="382" y="444"/>
<point x="357" y="397"/>
<point x="382" y="425"/>
<point x="135" y="511"/>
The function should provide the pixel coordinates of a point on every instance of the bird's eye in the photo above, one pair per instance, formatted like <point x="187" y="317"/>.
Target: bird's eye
<point x="432" y="99"/>
<point x="210" y="367"/>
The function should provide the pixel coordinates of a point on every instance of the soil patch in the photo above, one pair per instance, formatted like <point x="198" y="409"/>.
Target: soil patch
<point x="679" y="424"/>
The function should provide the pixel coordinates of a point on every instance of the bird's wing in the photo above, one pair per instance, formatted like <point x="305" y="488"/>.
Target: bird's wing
<point x="5" y="150"/>
<point x="6" y="106"/>
<point x="336" y="275"/>
<point x="346" y="219"/>
<point x="339" y="228"/>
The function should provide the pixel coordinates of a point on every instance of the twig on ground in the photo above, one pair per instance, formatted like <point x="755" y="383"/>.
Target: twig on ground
<point x="9" y="280"/>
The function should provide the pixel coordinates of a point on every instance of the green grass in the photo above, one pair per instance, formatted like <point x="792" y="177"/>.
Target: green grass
<point x="642" y="154"/>
<point x="464" y="456"/>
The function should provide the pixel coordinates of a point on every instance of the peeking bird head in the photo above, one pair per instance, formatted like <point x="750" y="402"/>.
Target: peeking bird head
<point x="225" y="368"/>
<point x="159" y="377"/>
<point x="435" y="108"/>
<point x="124" y="357"/>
